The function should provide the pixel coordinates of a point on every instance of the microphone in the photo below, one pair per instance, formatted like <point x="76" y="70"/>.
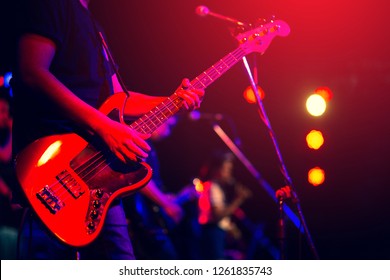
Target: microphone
<point x="196" y="116"/>
<point x="283" y="193"/>
<point x="204" y="11"/>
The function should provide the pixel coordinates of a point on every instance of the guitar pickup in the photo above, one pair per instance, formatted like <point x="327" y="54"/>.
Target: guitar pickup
<point x="70" y="184"/>
<point x="50" y="200"/>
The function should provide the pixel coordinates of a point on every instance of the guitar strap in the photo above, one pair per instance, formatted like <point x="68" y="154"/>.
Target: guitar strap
<point x="109" y="55"/>
<point x="113" y="64"/>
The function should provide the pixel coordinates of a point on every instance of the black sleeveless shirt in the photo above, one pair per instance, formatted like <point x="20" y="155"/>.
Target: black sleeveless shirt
<point x="79" y="63"/>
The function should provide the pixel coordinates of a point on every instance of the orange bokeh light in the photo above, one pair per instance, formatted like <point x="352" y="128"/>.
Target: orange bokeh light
<point x="325" y="92"/>
<point x="316" y="176"/>
<point x="249" y="95"/>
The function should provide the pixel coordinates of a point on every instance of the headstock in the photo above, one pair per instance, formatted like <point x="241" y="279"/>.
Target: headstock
<point x="259" y="38"/>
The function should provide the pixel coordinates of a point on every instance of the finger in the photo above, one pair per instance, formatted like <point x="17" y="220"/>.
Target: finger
<point x="185" y="83"/>
<point x="120" y="156"/>
<point x="131" y="157"/>
<point x="199" y="92"/>
<point x="197" y="96"/>
<point x="132" y="149"/>
<point x="190" y="100"/>
<point x="139" y="140"/>
<point x="144" y="136"/>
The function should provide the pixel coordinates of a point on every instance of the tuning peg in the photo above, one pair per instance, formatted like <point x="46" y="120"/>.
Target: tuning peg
<point x="237" y="30"/>
<point x="260" y="22"/>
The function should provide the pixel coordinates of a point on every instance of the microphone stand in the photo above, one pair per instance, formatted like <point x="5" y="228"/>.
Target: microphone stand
<point x="263" y="116"/>
<point x="202" y="11"/>
<point x="281" y="230"/>
<point x="256" y="174"/>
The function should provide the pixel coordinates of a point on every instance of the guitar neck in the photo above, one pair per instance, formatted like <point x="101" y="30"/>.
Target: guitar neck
<point x="149" y="122"/>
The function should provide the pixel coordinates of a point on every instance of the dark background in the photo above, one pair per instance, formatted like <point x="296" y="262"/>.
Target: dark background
<point x="343" y="45"/>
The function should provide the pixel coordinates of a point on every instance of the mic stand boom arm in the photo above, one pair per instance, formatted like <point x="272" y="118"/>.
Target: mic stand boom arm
<point x="267" y="187"/>
<point x="283" y="168"/>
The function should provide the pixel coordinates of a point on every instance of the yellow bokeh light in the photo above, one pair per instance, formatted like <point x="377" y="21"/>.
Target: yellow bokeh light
<point x="315" y="105"/>
<point x="316" y="176"/>
<point x="198" y="184"/>
<point x="314" y="139"/>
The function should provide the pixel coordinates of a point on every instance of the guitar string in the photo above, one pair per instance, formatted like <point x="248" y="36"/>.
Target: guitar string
<point x="144" y="122"/>
<point x="210" y="77"/>
<point x="60" y="188"/>
<point x="207" y="78"/>
<point x="64" y="194"/>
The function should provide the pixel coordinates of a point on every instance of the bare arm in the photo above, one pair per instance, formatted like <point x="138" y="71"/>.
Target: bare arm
<point x="163" y="200"/>
<point x="139" y="103"/>
<point x="36" y="54"/>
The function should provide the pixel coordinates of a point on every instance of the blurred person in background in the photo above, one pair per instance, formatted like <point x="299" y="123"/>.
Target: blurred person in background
<point x="8" y="210"/>
<point x="220" y="196"/>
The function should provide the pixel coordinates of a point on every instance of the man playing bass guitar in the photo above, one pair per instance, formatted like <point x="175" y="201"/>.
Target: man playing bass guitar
<point x="63" y="76"/>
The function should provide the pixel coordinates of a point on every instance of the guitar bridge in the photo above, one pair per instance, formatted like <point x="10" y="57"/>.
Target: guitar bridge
<point x="50" y="200"/>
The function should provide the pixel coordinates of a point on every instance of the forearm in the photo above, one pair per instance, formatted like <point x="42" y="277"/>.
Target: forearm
<point x="138" y="104"/>
<point x="154" y="193"/>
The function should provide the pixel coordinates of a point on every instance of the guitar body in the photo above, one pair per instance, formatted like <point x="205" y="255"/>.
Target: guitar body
<point x="70" y="184"/>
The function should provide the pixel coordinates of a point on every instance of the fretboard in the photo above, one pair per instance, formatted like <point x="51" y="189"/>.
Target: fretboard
<point x="158" y="115"/>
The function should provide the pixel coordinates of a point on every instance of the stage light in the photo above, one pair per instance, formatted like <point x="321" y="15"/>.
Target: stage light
<point x="314" y="139"/>
<point x="1" y="81"/>
<point x="325" y="92"/>
<point x="316" y="105"/>
<point x="249" y="95"/>
<point x="316" y="176"/>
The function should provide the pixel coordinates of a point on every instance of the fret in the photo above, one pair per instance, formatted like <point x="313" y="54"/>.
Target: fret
<point x="231" y="60"/>
<point x="203" y="85"/>
<point x="215" y="69"/>
<point x="210" y="79"/>
<point x="144" y="125"/>
<point x="172" y="104"/>
<point x="154" y="115"/>
<point x="214" y="75"/>
<point x="158" y="115"/>
<point x="170" y="112"/>
<point x="151" y="122"/>
<point x="162" y="117"/>
<point x="176" y="100"/>
<point x="221" y="61"/>
<point x="137" y="127"/>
